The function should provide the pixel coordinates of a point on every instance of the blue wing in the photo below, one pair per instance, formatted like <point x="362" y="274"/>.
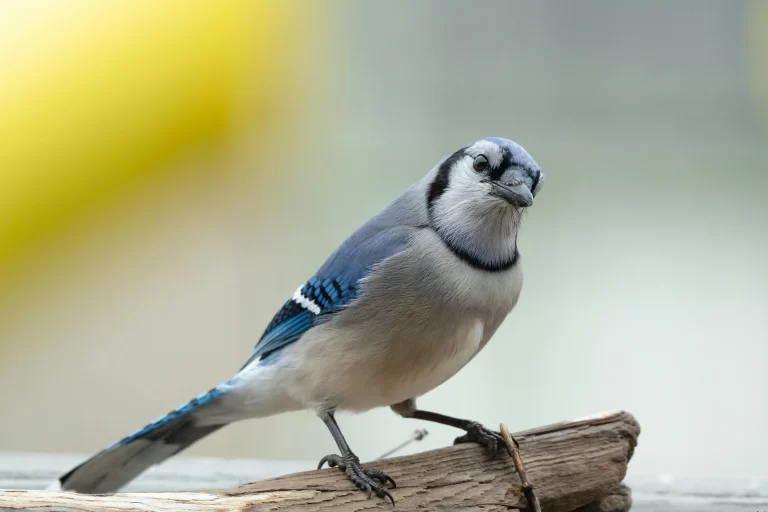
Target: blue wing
<point x="317" y="298"/>
<point x="334" y="285"/>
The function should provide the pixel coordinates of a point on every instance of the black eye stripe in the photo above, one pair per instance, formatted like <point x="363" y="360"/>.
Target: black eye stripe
<point x="506" y="161"/>
<point x="440" y="183"/>
<point x="536" y="177"/>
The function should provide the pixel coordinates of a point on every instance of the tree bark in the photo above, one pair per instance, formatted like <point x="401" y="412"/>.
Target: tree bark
<point x="574" y="466"/>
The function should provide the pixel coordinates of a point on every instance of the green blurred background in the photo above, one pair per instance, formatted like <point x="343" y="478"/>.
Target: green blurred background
<point x="209" y="156"/>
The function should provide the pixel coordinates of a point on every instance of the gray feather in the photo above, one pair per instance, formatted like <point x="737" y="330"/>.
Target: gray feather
<point x="383" y="236"/>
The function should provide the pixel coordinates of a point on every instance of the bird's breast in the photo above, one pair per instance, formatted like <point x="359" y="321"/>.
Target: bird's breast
<point x="443" y="357"/>
<point x="381" y="366"/>
<point x="420" y="317"/>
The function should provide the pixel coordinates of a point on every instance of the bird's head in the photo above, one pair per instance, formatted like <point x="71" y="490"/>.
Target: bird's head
<point x="477" y="195"/>
<point x="494" y="170"/>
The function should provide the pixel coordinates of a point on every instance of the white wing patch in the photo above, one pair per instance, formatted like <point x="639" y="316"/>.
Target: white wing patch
<point x="304" y="302"/>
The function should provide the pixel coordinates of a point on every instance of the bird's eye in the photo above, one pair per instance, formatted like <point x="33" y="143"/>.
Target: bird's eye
<point x="480" y="164"/>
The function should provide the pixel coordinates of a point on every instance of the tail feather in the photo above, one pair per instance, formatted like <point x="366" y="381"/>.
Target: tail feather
<point x="120" y="463"/>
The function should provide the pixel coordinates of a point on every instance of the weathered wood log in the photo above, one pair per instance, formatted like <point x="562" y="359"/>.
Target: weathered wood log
<point x="618" y="500"/>
<point x="572" y="465"/>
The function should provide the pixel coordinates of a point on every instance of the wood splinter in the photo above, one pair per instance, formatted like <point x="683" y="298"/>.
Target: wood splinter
<point x="512" y="449"/>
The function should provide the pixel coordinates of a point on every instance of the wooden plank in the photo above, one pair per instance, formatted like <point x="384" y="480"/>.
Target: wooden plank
<point x="571" y="464"/>
<point x="650" y="493"/>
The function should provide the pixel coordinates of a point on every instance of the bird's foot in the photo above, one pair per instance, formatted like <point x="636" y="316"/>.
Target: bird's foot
<point x="477" y="433"/>
<point x="367" y="480"/>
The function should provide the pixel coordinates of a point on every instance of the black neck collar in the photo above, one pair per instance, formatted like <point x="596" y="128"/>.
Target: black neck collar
<point x="475" y="262"/>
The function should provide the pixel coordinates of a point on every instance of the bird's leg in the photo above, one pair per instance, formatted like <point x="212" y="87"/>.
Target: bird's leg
<point x="367" y="480"/>
<point x="475" y="432"/>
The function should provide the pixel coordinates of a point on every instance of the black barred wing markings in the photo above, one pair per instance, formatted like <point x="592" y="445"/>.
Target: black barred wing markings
<point x="317" y="297"/>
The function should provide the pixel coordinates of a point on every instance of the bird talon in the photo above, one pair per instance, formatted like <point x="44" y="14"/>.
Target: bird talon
<point x="332" y="461"/>
<point x="381" y="477"/>
<point x="367" y="480"/>
<point x="381" y="493"/>
<point x="477" y="433"/>
<point x="462" y="439"/>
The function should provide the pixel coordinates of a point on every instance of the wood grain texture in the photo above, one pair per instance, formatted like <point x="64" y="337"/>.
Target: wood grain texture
<point x="571" y="464"/>
<point x="618" y="500"/>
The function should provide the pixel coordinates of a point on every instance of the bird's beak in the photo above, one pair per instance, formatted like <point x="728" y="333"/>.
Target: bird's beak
<point x="516" y="195"/>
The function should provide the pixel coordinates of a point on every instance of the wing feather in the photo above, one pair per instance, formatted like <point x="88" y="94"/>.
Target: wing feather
<point x="336" y="283"/>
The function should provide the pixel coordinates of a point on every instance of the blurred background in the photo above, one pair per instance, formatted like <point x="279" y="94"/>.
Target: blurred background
<point x="170" y="172"/>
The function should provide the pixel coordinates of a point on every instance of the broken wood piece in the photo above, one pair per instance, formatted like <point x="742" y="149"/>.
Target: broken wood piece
<point x="574" y="464"/>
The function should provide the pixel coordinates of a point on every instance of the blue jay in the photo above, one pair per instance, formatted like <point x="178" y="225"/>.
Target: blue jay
<point x="401" y="306"/>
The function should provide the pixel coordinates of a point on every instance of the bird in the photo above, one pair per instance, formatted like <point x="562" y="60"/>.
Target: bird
<point x="397" y="309"/>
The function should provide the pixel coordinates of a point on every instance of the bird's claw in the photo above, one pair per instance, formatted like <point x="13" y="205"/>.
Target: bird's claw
<point x="477" y="433"/>
<point x="368" y="480"/>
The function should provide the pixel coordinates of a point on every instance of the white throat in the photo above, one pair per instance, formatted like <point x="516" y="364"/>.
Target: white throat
<point x="483" y="228"/>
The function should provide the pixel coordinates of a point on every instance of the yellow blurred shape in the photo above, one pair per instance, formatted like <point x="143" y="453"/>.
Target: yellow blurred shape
<point x="96" y="96"/>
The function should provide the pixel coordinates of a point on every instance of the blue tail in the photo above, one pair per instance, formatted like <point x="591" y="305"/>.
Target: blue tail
<point x="115" y="466"/>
